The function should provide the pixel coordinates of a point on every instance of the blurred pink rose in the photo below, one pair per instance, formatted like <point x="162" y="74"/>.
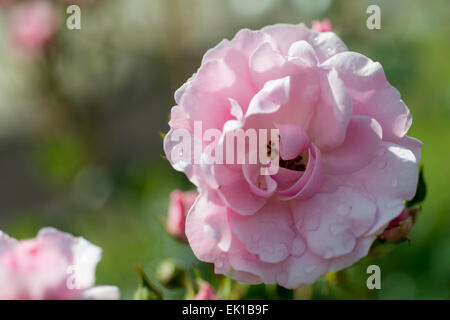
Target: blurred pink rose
<point x="33" y="26"/>
<point x="54" y="265"/>
<point x="399" y="228"/>
<point x="180" y="203"/>
<point x="321" y="26"/>
<point x="345" y="168"/>
<point x="205" y="292"/>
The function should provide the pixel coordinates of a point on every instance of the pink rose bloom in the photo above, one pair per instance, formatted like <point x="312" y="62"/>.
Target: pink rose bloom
<point x="321" y="26"/>
<point x="206" y="292"/>
<point x="398" y="229"/>
<point x="346" y="165"/>
<point x="54" y="265"/>
<point x="180" y="203"/>
<point x="33" y="26"/>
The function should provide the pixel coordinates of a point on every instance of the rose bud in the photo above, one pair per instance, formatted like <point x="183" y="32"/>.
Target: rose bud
<point x="321" y="26"/>
<point x="180" y="203"/>
<point x="205" y="292"/>
<point x="53" y="266"/>
<point x="33" y="26"/>
<point x="170" y="274"/>
<point x="398" y="229"/>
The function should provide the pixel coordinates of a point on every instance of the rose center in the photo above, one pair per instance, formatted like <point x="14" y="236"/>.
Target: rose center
<point x="299" y="163"/>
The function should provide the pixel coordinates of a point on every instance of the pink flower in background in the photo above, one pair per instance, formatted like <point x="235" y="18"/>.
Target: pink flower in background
<point x="346" y="165"/>
<point x="321" y="26"/>
<point x="399" y="228"/>
<point x="33" y="26"/>
<point x="54" y="265"/>
<point x="205" y="292"/>
<point x="180" y="203"/>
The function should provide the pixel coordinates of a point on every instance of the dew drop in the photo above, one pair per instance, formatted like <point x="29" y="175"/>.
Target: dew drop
<point x="208" y="257"/>
<point x="298" y="247"/>
<point x="331" y="51"/>
<point x="282" y="277"/>
<point x="395" y="183"/>
<point x="211" y="232"/>
<point x="316" y="41"/>
<point x="343" y="209"/>
<point x="299" y="223"/>
<point x="381" y="151"/>
<point x="274" y="253"/>
<point x="313" y="223"/>
<point x="310" y="268"/>
<point x="394" y="203"/>
<point x="328" y="253"/>
<point x="382" y="164"/>
<point x="349" y="243"/>
<point x="337" y="229"/>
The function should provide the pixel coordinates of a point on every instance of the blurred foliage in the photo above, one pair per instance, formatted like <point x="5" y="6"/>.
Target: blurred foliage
<point x="80" y="147"/>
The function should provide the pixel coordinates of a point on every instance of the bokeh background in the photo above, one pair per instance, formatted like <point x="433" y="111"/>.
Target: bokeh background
<point x="80" y="145"/>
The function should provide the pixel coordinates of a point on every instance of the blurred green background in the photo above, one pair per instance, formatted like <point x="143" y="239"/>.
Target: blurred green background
<point x="79" y="129"/>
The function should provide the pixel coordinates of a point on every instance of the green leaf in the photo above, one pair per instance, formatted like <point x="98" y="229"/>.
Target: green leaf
<point x="421" y="191"/>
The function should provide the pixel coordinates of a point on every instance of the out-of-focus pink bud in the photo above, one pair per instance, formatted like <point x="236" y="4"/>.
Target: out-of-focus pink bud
<point x="322" y="26"/>
<point x="400" y="227"/>
<point x="180" y="203"/>
<point x="206" y="292"/>
<point x="33" y="26"/>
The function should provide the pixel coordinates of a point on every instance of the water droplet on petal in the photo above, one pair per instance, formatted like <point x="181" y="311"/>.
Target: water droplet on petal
<point x="328" y="253"/>
<point x="381" y="151"/>
<point x="313" y="223"/>
<point x="282" y="277"/>
<point x="316" y="41"/>
<point x="331" y="51"/>
<point x="338" y="228"/>
<point x="299" y="223"/>
<point x="395" y="183"/>
<point x="382" y="164"/>
<point x="343" y="209"/>
<point x="274" y="253"/>
<point x="211" y="232"/>
<point x="310" y="268"/>
<point x="394" y="203"/>
<point x="298" y="247"/>
<point x="207" y="257"/>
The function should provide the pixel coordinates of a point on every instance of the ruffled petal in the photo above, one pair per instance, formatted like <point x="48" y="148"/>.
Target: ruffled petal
<point x="267" y="233"/>
<point x="6" y="242"/>
<point x="83" y="254"/>
<point x="333" y="111"/>
<point x="360" y="147"/>
<point x="371" y="93"/>
<point x="332" y="222"/>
